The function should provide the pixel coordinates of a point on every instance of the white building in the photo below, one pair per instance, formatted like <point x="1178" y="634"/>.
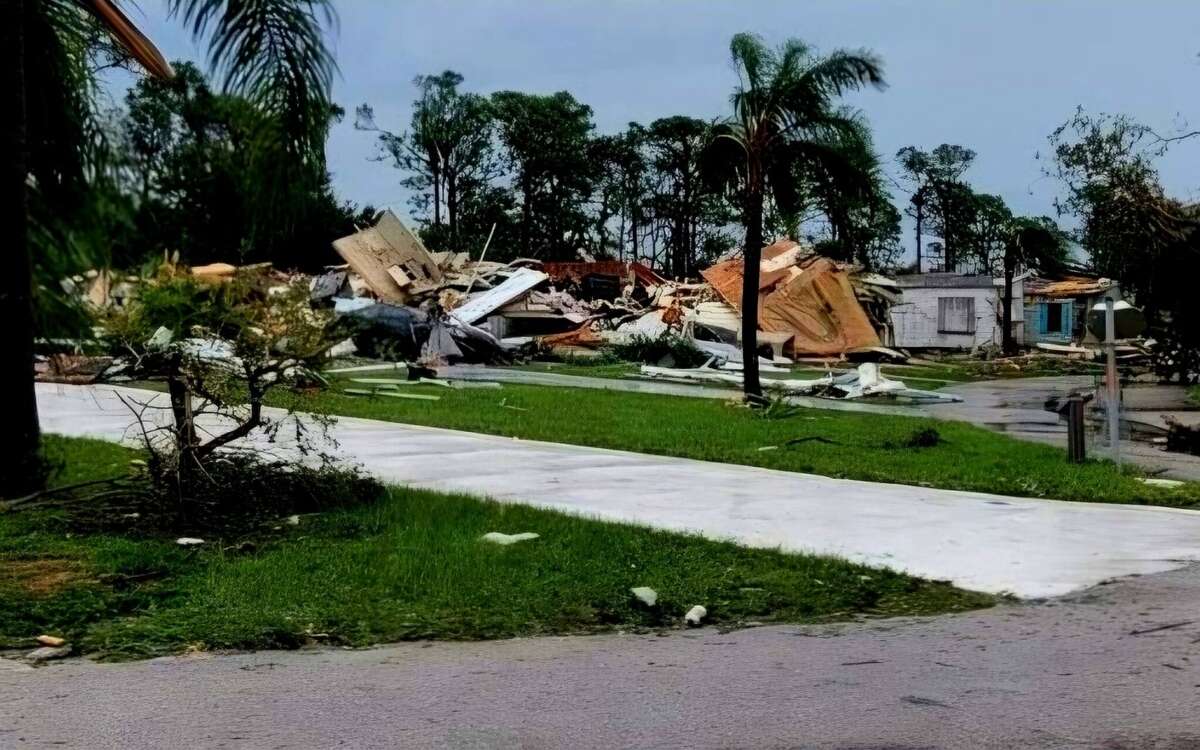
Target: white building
<point x="953" y="311"/>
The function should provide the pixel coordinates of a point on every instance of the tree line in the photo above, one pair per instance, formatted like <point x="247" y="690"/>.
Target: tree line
<point x="534" y="166"/>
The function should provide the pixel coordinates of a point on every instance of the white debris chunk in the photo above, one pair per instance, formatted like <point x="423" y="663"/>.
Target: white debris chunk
<point x="695" y="615"/>
<point x="1160" y="482"/>
<point x="495" y="537"/>
<point x="292" y="520"/>
<point x="188" y="541"/>
<point x="46" y="653"/>
<point x="51" y="640"/>
<point x="161" y="338"/>
<point x="645" y="595"/>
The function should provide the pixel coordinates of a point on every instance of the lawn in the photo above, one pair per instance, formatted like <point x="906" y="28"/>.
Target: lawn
<point x="832" y="443"/>
<point x="409" y="567"/>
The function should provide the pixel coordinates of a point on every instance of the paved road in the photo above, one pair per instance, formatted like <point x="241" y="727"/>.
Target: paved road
<point x="1069" y="673"/>
<point x="1030" y="548"/>
<point x="1015" y="407"/>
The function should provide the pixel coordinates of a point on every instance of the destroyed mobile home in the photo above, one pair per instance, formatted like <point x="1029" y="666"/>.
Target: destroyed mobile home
<point x="394" y="299"/>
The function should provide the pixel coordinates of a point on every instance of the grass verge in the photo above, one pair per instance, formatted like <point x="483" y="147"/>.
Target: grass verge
<point x="409" y="567"/>
<point x="872" y="447"/>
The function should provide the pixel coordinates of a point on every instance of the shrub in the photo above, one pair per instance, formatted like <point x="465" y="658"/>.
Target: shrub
<point x="666" y="349"/>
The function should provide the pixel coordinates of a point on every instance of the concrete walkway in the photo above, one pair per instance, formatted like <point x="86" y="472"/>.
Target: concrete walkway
<point x="1116" y="667"/>
<point x="1030" y="548"/>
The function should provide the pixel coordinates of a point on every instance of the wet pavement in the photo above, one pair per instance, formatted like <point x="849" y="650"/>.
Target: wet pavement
<point x="1016" y="407"/>
<point x="1114" y="667"/>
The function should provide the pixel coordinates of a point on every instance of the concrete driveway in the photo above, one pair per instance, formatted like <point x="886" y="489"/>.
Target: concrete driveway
<point x="1116" y="667"/>
<point x="1029" y="548"/>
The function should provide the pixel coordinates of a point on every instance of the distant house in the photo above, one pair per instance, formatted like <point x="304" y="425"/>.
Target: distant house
<point x="953" y="311"/>
<point x="1056" y="309"/>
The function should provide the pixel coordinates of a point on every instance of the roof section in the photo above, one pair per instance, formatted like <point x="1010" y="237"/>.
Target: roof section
<point x="943" y="281"/>
<point x="1068" y="287"/>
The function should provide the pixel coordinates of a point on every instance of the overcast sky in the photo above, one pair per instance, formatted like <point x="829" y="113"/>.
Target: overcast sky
<point x="994" y="76"/>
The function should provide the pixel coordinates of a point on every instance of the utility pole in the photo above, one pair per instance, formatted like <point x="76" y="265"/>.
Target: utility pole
<point x="1114" y="385"/>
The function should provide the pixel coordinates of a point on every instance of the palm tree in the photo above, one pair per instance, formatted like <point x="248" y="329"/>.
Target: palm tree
<point x="785" y="119"/>
<point x="272" y="52"/>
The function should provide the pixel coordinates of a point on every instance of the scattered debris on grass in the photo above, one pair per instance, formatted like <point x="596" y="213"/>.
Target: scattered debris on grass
<point x="645" y="595"/>
<point x="496" y="537"/>
<point x="46" y="653"/>
<point x="695" y="615"/>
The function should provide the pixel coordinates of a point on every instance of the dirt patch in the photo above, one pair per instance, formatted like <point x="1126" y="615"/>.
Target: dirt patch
<point x="42" y="577"/>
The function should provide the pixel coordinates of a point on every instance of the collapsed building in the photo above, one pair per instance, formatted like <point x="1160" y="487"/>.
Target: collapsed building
<point x="810" y="306"/>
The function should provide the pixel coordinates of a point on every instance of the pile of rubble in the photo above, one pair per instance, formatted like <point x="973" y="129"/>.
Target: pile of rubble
<point x="436" y="302"/>
<point x="394" y="299"/>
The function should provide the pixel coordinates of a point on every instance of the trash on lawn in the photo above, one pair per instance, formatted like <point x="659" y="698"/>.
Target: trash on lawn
<point x="292" y="520"/>
<point x="52" y="641"/>
<point x="496" y="537"/>
<point x="46" y="653"/>
<point x="188" y="541"/>
<point x="1161" y="482"/>
<point x="695" y="615"/>
<point x="645" y="595"/>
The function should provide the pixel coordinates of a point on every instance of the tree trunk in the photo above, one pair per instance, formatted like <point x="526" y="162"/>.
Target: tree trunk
<point x="526" y="215"/>
<point x="20" y="462"/>
<point x="435" y="174"/>
<point x="919" y="202"/>
<point x="1008" y="345"/>
<point x="752" y="255"/>
<point x="452" y="206"/>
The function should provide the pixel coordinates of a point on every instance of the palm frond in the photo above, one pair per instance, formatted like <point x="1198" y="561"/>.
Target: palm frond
<point x="273" y="52"/>
<point x="723" y="159"/>
<point x="843" y="71"/>
<point x="752" y="57"/>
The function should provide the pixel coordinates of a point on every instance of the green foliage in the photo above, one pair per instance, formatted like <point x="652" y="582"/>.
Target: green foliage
<point x="182" y="157"/>
<point x="926" y="437"/>
<point x="273" y="53"/>
<point x="942" y="197"/>
<point x="546" y="149"/>
<point x="776" y="406"/>
<point x="667" y="349"/>
<point x="1130" y="228"/>
<point x="450" y="155"/>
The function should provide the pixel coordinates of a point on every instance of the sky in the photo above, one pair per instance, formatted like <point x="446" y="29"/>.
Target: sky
<point x="994" y="76"/>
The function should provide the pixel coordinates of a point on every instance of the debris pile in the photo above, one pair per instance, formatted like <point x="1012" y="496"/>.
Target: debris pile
<point x="394" y="299"/>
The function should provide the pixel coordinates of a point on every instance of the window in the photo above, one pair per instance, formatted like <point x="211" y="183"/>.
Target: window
<point x="956" y="315"/>
<point x="1054" y="317"/>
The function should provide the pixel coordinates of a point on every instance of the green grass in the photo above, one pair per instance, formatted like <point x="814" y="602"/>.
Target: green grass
<point x="861" y="446"/>
<point x="409" y="567"/>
